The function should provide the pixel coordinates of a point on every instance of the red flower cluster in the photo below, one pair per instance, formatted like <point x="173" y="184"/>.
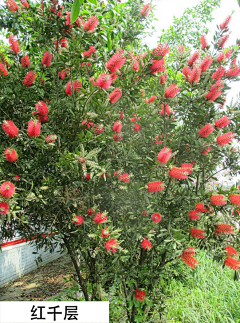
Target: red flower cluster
<point x="223" y="228"/>
<point x="78" y="219"/>
<point x="136" y="127"/>
<point x="104" y="81"/>
<point x="235" y="199"/>
<point x="76" y="87"/>
<point x="13" y="44"/>
<point x="165" y="109"/>
<point x="206" y="130"/>
<point x="4" y="208"/>
<point x="47" y="58"/>
<point x="151" y="99"/>
<point x="155" y="187"/>
<point x="196" y="233"/>
<point x="178" y="172"/>
<point x="105" y="233"/>
<point x="224" y="25"/>
<point x="232" y="263"/>
<point x="218" y="200"/>
<point x="116" y="61"/>
<point x="160" y="50"/>
<point x="10" y="128"/>
<point x="117" y="127"/>
<point x="164" y="155"/>
<point x="223" y="40"/>
<point x="203" y="42"/>
<point x="215" y="91"/>
<point x="117" y="137"/>
<point x="187" y="257"/>
<point x="100" y="218"/>
<point x="192" y="75"/>
<point x="219" y="73"/>
<point x="146" y="9"/>
<point x="7" y="189"/>
<point x="157" y="66"/>
<point x="50" y="139"/>
<point x="206" y="63"/>
<point x="12" y="5"/>
<point x="156" y="217"/>
<point x="231" y="251"/>
<point x="125" y="177"/>
<point x="171" y="91"/>
<point x="200" y="208"/>
<point x="115" y="95"/>
<point x="193" y="215"/>
<point x="163" y="78"/>
<point x="42" y="111"/>
<point x="222" y="122"/>
<point x="225" y="138"/>
<point x="34" y="128"/>
<point x="88" y="53"/>
<point x="146" y="244"/>
<point x="90" y="211"/>
<point x="11" y="155"/>
<point x="25" y="61"/>
<point x="111" y="245"/>
<point x="29" y="78"/>
<point x="139" y="295"/>
<point x="3" y="70"/>
<point x="91" y="23"/>
<point x="206" y="150"/>
<point x="193" y="58"/>
<point x="233" y="72"/>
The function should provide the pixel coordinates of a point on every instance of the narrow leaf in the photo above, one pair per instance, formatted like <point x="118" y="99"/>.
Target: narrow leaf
<point x="94" y="2"/>
<point x="75" y="10"/>
<point x="239" y="3"/>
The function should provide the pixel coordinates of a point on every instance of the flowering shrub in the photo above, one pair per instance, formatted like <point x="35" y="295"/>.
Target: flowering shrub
<point x="129" y="197"/>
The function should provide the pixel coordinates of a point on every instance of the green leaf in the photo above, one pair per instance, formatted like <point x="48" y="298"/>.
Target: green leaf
<point x="75" y="10"/>
<point x="239" y="3"/>
<point x="94" y="2"/>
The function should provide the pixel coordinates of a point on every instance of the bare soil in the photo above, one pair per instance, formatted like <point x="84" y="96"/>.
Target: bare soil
<point x="41" y="283"/>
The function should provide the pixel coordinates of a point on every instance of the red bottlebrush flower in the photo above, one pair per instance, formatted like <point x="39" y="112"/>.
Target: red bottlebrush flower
<point x="136" y="127"/>
<point x="178" y="172"/>
<point x="136" y="65"/>
<point x="10" y="128"/>
<point x="11" y="155"/>
<point x="76" y="87"/>
<point x="160" y="50"/>
<point x="219" y="73"/>
<point x="206" y="63"/>
<point x="24" y="3"/>
<point x="186" y="72"/>
<point x="47" y="58"/>
<point x="151" y="99"/>
<point x="116" y="61"/>
<point x="50" y="139"/>
<point x="91" y="211"/>
<point x="193" y="58"/>
<point x="17" y="178"/>
<point x="145" y="213"/>
<point x="34" y="128"/>
<point x="187" y="257"/>
<point x="206" y="150"/>
<point x="104" y="81"/>
<point x="188" y="167"/>
<point x="203" y="42"/>
<point x="155" y="186"/>
<point x="4" y="208"/>
<point x="165" y="109"/>
<point x="206" y="130"/>
<point x="111" y="245"/>
<point x="68" y="90"/>
<point x="92" y="81"/>
<point x="63" y="43"/>
<point x="195" y="75"/>
<point x="193" y="215"/>
<point x="231" y="251"/>
<point x="196" y="233"/>
<point x="157" y="141"/>
<point x="235" y="199"/>
<point x="7" y="189"/>
<point x="222" y="122"/>
<point x="105" y="233"/>
<point x="171" y="91"/>
<point x="78" y="219"/>
<point x="146" y="9"/>
<point x="146" y="244"/>
<point x="223" y="40"/>
<point x="91" y="23"/>
<point x="232" y="263"/>
<point x="100" y="218"/>
<point x="87" y="177"/>
<point x="164" y="155"/>
<point x="117" y="137"/>
<point x="3" y="70"/>
<point x="224" y="25"/>
<point x="200" y="208"/>
<point x="12" y="5"/>
<point x="98" y="129"/>
<point x="13" y="44"/>
<point x="124" y="177"/>
<point x="89" y="52"/>
<point x="163" y="78"/>
<point x="233" y="72"/>
<point x="223" y="228"/>
<point x="25" y="61"/>
<point x="156" y="217"/>
<point x="143" y="92"/>
<point x="121" y="114"/>
<point x="213" y="94"/>
<point x="115" y="95"/>
<point x="117" y="127"/>
<point x="220" y="57"/>
<point x="157" y="66"/>
<point x="218" y="200"/>
<point x="139" y="295"/>
<point x="225" y="138"/>
<point x="29" y="78"/>
<point x="42" y="108"/>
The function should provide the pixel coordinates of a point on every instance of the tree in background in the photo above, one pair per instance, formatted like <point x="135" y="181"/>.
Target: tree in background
<point x="107" y="151"/>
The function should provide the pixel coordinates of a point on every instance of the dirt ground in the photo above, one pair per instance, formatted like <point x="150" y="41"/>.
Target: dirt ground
<point x="39" y="284"/>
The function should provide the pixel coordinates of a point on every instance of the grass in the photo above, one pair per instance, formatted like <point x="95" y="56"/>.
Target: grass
<point x="209" y="295"/>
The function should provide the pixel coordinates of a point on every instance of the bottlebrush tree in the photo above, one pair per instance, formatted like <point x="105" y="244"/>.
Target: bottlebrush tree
<point x="106" y="150"/>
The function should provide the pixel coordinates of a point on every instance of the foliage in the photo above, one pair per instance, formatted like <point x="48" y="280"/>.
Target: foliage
<point x="91" y="175"/>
